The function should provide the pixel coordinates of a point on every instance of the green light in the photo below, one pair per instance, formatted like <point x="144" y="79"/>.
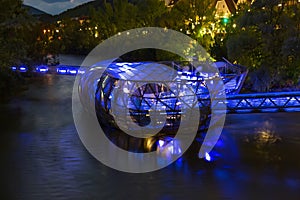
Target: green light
<point x="225" y="20"/>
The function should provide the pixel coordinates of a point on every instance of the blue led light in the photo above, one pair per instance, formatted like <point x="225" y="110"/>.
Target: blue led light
<point x="63" y="71"/>
<point x="23" y="68"/>
<point x="42" y="68"/>
<point x="73" y="71"/>
<point x="14" y="68"/>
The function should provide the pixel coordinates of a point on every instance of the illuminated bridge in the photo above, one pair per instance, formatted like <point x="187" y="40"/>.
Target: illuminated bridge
<point x="236" y="103"/>
<point x="262" y="102"/>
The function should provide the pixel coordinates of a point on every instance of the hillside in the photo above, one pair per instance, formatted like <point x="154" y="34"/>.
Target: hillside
<point x="81" y="10"/>
<point x="39" y="14"/>
<point x="34" y="11"/>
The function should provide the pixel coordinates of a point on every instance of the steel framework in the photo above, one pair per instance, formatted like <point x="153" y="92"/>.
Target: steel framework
<point x="263" y="102"/>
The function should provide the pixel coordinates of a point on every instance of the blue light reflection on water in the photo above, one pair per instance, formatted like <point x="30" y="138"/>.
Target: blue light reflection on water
<point x="44" y="158"/>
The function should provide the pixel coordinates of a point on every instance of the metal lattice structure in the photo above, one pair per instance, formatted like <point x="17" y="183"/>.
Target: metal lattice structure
<point x="166" y="96"/>
<point x="264" y="102"/>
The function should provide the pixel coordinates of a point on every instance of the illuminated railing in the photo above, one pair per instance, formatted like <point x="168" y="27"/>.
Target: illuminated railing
<point x="45" y="69"/>
<point x="264" y="102"/>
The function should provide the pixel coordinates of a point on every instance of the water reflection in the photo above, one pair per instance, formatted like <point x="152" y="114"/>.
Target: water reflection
<point x="43" y="158"/>
<point x="266" y="143"/>
<point x="266" y="135"/>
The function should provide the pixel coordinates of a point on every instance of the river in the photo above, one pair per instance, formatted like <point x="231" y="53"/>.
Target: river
<point x="42" y="156"/>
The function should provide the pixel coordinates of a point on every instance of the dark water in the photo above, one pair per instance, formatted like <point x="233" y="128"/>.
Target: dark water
<point x="43" y="158"/>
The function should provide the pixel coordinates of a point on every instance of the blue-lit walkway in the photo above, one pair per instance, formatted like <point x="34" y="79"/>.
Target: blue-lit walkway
<point x="236" y="103"/>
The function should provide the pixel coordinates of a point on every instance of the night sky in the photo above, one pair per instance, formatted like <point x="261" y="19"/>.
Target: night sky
<point x="54" y="6"/>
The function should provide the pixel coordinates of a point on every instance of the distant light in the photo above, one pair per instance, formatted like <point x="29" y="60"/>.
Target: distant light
<point x="225" y="20"/>
<point x="207" y="157"/>
<point x="14" y="68"/>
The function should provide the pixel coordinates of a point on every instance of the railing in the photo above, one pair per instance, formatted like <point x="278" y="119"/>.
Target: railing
<point x="236" y="103"/>
<point x="263" y="102"/>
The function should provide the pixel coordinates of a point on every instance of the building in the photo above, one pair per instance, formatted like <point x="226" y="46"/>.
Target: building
<point x="225" y="8"/>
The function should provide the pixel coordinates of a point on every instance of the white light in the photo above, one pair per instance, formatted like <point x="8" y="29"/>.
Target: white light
<point x="125" y="90"/>
<point x="73" y="71"/>
<point x="207" y="157"/>
<point x="161" y="143"/>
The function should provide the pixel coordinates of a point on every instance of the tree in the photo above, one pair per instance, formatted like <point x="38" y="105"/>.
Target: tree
<point x="194" y="18"/>
<point x="265" y="33"/>
<point x="14" y="27"/>
<point x="114" y="17"/>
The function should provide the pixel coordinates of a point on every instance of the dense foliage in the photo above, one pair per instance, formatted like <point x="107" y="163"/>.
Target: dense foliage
<point x="267" y="40"/>
<point x="264" y="35"/>
<point x="14" y="44"/>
